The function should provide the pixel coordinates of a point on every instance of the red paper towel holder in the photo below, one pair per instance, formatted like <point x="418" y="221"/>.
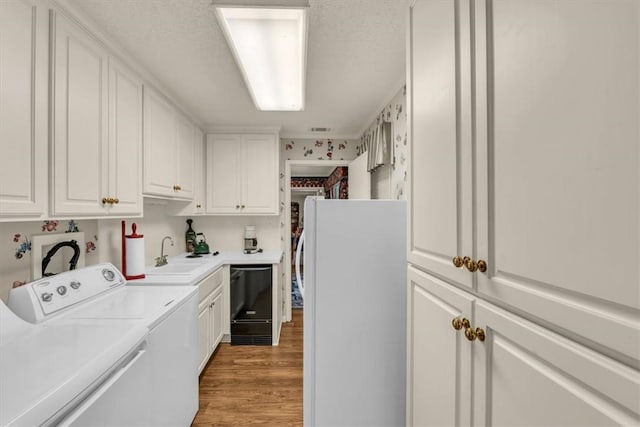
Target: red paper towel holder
<point x="133" y="235"/>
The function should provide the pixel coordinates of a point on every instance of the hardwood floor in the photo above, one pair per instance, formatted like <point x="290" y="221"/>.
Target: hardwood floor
<point x="254" y="385"/>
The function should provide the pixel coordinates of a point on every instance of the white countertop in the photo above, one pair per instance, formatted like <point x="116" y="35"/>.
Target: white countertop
<point x="179" y="272"/>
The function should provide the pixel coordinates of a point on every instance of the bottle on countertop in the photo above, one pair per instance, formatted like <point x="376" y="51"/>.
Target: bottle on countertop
<point x="190" y="237"/>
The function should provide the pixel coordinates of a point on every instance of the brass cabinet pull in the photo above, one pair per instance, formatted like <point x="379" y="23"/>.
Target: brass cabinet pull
<point x="109" y="200"/>
<point x="459" y="323"/>
<point x="237" y="206"/>
<point x="116" y="200"/>
<point x="198" y="206"/>
<point x="242" y="206"/>
<point x="471" y="265"/>
<point x="104" y="201"/>
<point x="473" y="334"/>
<point x="177" y="188"/>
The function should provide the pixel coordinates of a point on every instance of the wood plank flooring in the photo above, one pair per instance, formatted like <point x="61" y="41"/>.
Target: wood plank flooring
<point x="254" y="385"/>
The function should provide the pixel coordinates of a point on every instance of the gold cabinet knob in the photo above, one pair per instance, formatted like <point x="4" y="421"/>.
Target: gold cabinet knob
<point x="470" y="334"/>
<point x="198" y="206"/>
<point x="237" y="206"/>
<point x="473" y="334"/>
<point x="242" y="206"/>
<point x="457" y="261"/>
<point x="471" y="265"/>
<point x="482" y="265"/>
<point x="459" y="323"/>
<point x="116" y="200"/>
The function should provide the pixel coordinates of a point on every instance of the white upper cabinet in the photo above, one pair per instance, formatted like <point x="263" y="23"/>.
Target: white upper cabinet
<point x="169" y="149"/>
<point x="186" y="143"/>
<point x="242" y="174"/>
<point x="79" y="157"/>
<point x="159" y="145"/>
<point x="260" y="174"/>
<point x="97" y="128"/>
<point x="197" y="206"/>
<point x="125" y="141"/>
<point x="543" y="186"/>
<point x="23" y="110"/>
<point x="558" y="155"/>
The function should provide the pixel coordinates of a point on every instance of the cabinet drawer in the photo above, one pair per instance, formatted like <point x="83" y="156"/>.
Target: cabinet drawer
<point x="209" y="284"/>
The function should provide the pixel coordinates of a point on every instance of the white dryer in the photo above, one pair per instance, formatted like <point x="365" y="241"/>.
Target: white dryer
<point x="49" y="370"/>
<point x="98" y="294"/>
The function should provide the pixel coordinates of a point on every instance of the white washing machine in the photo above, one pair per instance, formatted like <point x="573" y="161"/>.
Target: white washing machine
<point x="166" y="392"/>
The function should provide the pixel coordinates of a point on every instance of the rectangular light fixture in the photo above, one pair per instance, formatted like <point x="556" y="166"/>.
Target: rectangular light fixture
<point x="270" y="46"/>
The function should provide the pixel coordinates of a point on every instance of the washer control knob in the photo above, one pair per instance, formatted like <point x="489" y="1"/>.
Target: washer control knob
<point x="47" y="296"/>
<point x="108" y="274"/>
<point x="75" y="284"/>
<point x="61" y="290"/>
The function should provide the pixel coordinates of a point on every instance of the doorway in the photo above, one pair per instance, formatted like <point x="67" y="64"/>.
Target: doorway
<point x="301" y="168"/>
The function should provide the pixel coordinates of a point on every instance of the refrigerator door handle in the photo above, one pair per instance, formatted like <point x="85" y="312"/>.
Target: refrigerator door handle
<point x="297" y="265"/>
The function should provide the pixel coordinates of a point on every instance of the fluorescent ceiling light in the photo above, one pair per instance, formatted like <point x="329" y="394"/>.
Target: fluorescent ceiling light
<point x="269" y="45"/>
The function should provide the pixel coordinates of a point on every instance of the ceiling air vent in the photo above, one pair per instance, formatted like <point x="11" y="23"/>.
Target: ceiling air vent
<point x="320" y="129"/>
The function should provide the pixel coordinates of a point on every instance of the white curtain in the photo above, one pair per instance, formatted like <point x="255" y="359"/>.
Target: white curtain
<point x="379" y="146"/>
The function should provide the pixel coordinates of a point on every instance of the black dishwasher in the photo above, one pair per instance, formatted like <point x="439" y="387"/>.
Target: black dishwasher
<point x="251" y="304"/>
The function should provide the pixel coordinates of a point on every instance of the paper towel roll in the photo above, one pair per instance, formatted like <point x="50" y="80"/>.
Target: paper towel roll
<point x="135" y="256"/>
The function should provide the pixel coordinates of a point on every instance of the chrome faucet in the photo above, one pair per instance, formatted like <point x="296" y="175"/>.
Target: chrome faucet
<point x="162" y="259"/>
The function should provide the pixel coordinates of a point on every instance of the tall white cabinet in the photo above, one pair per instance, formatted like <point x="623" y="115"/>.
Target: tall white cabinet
<point x="242" y="173"/>
<point x="23" y="109"/>
<point x="524" y="212"/>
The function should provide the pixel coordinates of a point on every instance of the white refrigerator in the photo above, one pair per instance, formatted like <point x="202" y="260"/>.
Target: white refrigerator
<point x="354" y="291"/>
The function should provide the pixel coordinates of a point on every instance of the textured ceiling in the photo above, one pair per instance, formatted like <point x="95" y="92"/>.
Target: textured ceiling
<point x="355" y="60"/>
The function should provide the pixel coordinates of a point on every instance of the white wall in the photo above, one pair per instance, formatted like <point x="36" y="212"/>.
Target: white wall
<point x="388" y="182"/>
<point x="154" y="226"/>
<point x="221" y="232"/>
<point x="381" y="182"/>
<point x="15" y="265"/>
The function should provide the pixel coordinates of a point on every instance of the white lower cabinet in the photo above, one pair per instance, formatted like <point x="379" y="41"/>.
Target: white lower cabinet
<point x="521" y="374"/>
<point x="210" y="316"/>
<point x="439" y="381"/>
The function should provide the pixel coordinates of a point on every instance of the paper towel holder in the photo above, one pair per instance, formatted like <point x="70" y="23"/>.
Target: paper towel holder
<point x="133" y="235"/>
